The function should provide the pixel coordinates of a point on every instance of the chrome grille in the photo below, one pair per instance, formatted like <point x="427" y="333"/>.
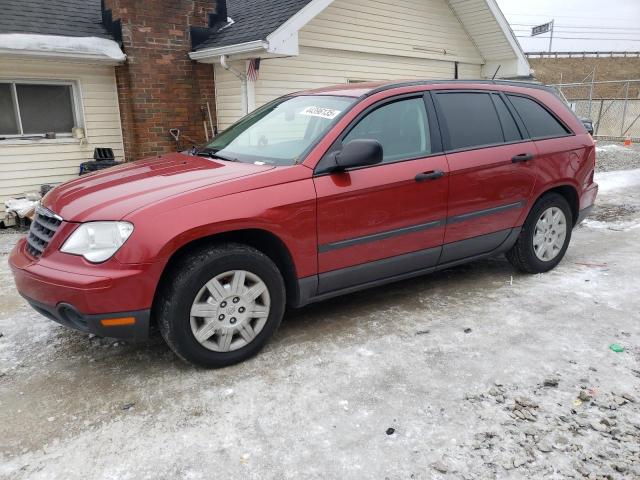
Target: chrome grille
<point x="43" y="227"/>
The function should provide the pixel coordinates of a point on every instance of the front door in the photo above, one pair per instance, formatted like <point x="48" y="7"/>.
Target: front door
<point x="492" y="172"/>
<point x="384" y="220"/>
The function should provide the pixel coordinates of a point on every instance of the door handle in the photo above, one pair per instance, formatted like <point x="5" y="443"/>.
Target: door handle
<point x="433" y="175"/>
<point x="523" y="157"/>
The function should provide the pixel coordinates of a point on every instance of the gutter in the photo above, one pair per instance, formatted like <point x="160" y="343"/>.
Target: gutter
<point x="76" y="57"/>
<point x="207" y="53"/>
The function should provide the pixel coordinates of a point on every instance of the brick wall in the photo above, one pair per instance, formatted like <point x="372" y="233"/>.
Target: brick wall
<point x="159" y="87"/>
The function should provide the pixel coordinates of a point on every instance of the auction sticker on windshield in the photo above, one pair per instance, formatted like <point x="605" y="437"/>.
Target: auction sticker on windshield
<point x="328" y="113"/>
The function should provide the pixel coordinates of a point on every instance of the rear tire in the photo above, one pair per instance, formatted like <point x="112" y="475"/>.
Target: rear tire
<point x="205" y="308"/>
<point x="545" y="235"/>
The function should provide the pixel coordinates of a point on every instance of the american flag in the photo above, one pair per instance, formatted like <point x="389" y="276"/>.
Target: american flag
<point x="254" y="69"/>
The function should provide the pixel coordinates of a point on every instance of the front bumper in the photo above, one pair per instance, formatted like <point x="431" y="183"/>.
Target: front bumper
<point x="73" y="293"/>
<point x="133" y="325"/>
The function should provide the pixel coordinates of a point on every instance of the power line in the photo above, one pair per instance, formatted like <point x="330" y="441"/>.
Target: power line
<point x="578" y="26"/>
<point x="593" y="32"/>
<point x="552" y="15"/>
<point x="584" y="38"/>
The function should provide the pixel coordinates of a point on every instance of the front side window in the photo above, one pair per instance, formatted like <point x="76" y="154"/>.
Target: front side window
<point x="36" y="109"/>
<point x="539" y="122"/>
<point x="281" y="132"/>
<point x="401" y="128"/>
<point x="471" y="119"/>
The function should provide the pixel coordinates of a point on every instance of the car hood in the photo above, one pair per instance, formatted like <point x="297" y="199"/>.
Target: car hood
<point x="113" y="193"/>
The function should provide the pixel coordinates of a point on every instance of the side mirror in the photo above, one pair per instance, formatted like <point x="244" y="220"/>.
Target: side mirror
<point x="588" y="124"/>
<point x="359" y="153"/>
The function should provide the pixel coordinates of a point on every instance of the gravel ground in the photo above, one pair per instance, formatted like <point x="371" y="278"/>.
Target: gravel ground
<point x="475" y="372"/>
<point x="614" y="156"/>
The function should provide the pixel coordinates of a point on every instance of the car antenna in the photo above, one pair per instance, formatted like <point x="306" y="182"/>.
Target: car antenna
<point x="497" y="70"/>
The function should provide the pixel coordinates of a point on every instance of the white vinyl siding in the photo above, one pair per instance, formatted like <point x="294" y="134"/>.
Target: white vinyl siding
<point x="228" y="94"/>
<point x="25" y="165"/>
<point x="360" y="40"/>
<point x="411" y="28"/>
<point x="484" y="28"/>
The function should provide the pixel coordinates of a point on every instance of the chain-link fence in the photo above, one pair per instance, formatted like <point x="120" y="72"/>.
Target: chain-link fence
<point x="613" y="106"/>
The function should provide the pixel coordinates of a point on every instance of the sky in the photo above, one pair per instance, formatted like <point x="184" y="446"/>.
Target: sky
<point x="579" y="25"/>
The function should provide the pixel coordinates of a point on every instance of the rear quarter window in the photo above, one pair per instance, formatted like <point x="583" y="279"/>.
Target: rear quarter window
<point x="539" y="122"/>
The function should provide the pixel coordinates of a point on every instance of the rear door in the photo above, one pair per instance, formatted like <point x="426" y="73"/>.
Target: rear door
<point x="491" y="170"/>
<point x="384" y="220"/>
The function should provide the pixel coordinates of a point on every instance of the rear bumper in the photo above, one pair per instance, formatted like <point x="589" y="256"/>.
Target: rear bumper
<point x="134" y="325"/>
<point x="584" y="213"/>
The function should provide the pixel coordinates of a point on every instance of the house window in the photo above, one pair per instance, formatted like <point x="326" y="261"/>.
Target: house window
<point x="37" y="108"/>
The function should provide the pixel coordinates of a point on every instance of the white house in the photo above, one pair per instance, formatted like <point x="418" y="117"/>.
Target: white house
<point x="56" y="75"/>
<point x="306" y="44"/>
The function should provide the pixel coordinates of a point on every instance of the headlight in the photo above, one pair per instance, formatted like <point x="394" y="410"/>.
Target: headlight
<point x="97" y="241"/>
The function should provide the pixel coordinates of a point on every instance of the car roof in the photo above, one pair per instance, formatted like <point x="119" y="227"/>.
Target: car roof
<point x="369" y="88"/>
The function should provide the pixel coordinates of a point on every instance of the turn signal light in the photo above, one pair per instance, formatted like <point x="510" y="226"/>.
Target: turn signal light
<point x="117" y="322"/>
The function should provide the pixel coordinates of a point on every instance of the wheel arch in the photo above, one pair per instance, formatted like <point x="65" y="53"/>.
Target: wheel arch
<point x="570" y="194"/>
<point x="263" y="240"/>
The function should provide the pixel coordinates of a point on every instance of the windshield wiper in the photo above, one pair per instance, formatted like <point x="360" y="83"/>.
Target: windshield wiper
<point x="215" y="154"/>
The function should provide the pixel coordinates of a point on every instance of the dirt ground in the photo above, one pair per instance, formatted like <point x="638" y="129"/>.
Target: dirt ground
<point x="475" y="372"/>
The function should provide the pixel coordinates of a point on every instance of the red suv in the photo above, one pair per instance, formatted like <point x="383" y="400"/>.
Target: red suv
<point x="314" y="195"/>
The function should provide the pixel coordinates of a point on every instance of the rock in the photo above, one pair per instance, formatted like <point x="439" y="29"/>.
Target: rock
<point x="628" y="397"/>
<point x="390" y="431"/>
<point x="607" y="422"/>
<point x="551" y="382"/>
<point x="423" y="332"/>
<point x="598" y="426"/>
<point x="584" y="396"/>
<point x="581" y="469"/>
<point x="519" y="414"/>
<point x="526" y="402"/>
<point x="544" y="446"/>
<point x="519" y="461"/>
<point x="494" y="392"/>
<point x="467" y="330"/>
<point x="500" y="399"/>
<point x="440" y="467"/>
<point x="620" y="467"/>
<point x="128" y="406"/>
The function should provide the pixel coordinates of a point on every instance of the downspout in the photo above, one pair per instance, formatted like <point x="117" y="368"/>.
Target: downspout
<point x="243" y="80"/>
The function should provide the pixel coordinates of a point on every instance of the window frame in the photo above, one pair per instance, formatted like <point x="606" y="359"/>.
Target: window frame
<point x="526" y="136"/>
<point x="514" y="110"/>
<point x="434" y="133"/>
<point x="76" y="109"/>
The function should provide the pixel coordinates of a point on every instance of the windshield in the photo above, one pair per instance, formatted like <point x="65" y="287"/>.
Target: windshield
<point x="281" y="132"/>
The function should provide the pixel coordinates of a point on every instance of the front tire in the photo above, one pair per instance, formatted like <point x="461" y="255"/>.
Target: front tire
<point x="545" y="235"/>
<point x="220" y="305"/>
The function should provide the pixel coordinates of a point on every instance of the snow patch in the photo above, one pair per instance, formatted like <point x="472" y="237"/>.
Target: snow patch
<point x="56" y="44"/>
<point x="614" y="181"/>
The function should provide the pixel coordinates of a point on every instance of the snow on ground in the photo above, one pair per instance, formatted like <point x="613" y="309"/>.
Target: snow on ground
<point x="474" y="372"/>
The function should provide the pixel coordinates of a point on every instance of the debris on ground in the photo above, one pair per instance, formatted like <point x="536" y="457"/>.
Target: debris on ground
<point x="616" y="348"/>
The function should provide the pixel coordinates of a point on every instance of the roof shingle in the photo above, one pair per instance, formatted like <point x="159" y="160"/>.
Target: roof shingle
<point x="254" y="20"/>
<point x="70" y="18"/>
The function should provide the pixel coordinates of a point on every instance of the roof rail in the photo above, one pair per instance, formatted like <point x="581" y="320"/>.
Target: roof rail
<point x="515" y="83"/>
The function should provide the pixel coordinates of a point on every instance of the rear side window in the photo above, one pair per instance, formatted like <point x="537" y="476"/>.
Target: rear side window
<point x="470" y="118"/>
<point x="539" y="122"/>
<point x="401" y="127"/>
<point x="509" y="126"/>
